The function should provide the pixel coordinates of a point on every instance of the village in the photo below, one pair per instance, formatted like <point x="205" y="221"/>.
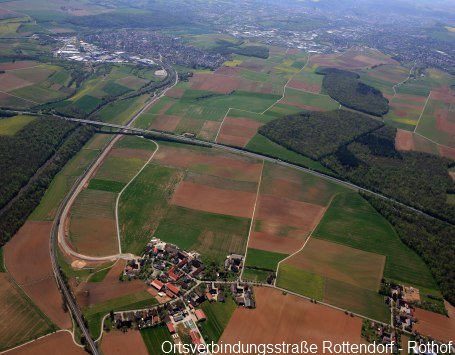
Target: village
<point x="176" y="279"/>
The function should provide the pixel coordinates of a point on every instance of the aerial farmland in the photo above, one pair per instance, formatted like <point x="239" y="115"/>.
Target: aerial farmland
<point x="183" y="185"/>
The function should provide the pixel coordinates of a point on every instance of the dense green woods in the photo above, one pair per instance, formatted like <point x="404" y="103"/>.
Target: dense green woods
<point x="227" y="48"/>
<point x="345" y="87"/>
<point x="417" y="179"/>
<point x="362" y="150"/>
<point x="24" y="153"/>
<point x="12" y="218"/>
<point x="432" y="239"/>
<point x="318" y="134"/>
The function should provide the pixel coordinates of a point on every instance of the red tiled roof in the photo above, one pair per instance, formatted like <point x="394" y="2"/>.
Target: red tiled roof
<point x="170" y="326"/>
<point x="174" y="289"/>
<point x="200" y="315"/>
<point x="170" y="294"/>
<point x="157" y="284"/>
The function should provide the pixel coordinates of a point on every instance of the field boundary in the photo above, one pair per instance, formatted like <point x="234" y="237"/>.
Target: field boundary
<point x="124" y="188"/>
<point x="252" y="219"/>
<point x="306" y="240"/>
<point x="287" y="83"/>
<point x="423" y="111"/>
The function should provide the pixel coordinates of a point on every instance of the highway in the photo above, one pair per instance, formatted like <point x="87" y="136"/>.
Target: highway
<point x="58" y="226"/>
<point x="183" y="139"/>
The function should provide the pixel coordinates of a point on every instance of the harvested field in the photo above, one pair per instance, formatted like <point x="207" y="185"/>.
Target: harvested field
<point x="165" y="123"/>
<point x="232" y="71"/>
<point x="222" y="84"/>
<point x="221" y="183"/>
<point x="92" y="293"/>
<point x="94" y="236"/>
<point x="226" y="165"/>
<point x="209" y="130"/>
<point x="301" y="85"/>
<point x="16" y="65"/>
<point x="351" y="59"/>
<point x="288" y="242"/>
<point x="289" y="183"/>
<point x="22" y="321"/>
<point x="175" y="93"/>
<point x="293" y="319"/>
<point x="288" y="212"/>
<point x="447" y="152"/>
<point x="10" y="82"/>
<point x="342" y="263"/>
<point x="92" y="229"/>
<point x="33" y="271"/>
<point x="435" y="325"/>
<point x="214" y="200"/>
<point x="238" y="131"/>
<point x="404" y="140"/>
<point x="52" y="344"/>
<point x="117" y="342"/>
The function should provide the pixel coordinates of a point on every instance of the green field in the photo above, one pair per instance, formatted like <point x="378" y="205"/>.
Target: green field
<point x="133" y="142"/>
<point x="61" y="184"/>
<point x="356" y="299"/>
<point x="300" y="281"/>
<point x="307" y="187"/>
<point x="106" y="185"/>
<point x="99" y="276"/>
<point x="263" y="145"/>
<point x="119" y="169"/>
<point x="264" y="260"/>
<point x="9" y="126"/>
<point x="87" y="103"/>
<point x="255" y="275"/>
<point x="309" y="99"/>
<point x="94" y="314"/>
<point x="351" y="221"/>
<point x="143" y="204"/>
<point x="218" y="315"/>
<point x="212" y="235"/>
<point x="428" y="125"/>
<point x="155" y="337"/>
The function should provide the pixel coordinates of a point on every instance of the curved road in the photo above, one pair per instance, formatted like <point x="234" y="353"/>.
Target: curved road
<point x="58" y="226"/>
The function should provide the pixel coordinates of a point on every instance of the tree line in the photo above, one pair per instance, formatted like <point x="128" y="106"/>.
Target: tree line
<point x="431" y="238"/>
<point x="13" y="218"/>
<point x="345" y="87"/>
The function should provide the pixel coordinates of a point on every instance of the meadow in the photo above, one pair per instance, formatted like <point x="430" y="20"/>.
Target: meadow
<point x="94" y="314"/>
<point x="144" y="203"/>
<point x="155" y="337"/>
<point x="212" y="235"/>
<point x="351" y="221"/>
<point x="218" y="315"/>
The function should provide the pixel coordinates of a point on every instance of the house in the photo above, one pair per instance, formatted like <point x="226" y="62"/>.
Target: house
<point x="157" y="284"/>
<point x="169" y="294"/>
<point x="171" y="328"/>
<point x="200" y="315"/>
<point x="174" y="289"/>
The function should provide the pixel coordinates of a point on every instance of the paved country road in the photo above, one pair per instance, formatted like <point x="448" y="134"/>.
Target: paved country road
<point x="57" y="232"/>
<point x="183" y="139"/>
